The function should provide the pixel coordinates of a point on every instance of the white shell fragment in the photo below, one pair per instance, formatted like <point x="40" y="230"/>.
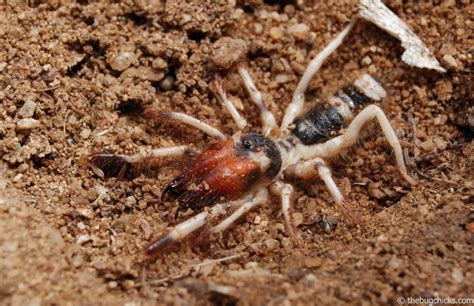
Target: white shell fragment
<point x="416" y="53"/>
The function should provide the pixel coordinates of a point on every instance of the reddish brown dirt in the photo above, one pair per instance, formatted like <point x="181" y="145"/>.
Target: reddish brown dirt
<point x="60" y="244"/>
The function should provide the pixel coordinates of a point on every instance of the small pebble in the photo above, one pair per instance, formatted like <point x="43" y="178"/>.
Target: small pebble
<point x="167" y="83"/>
<point x="85" y="133"/>
<point x="276" y="33"/>
<point x="121" y="61"/>
<point x="309" y="279"/>
<point x="3" y="183"/>
<point x="440" y="143"/>
<point x="82" y="239"/>
<point x="251" y="265"/>
<point x="185" y="18"/>
<point x="77" y="261"/>
<point x="428" y="145"/>
<point x="28" y="109"/>
<point x="85" y="212"/>
<point x="159" y="63"/>
<point x="450" y="61"/>
<point x="258" y="28"/>
<point x="366" y="61"/>
<point x="457" y="275"/>
<point x="440" y="120"/>
<point x="297" y="218"/>
<point x="395" y="263"/>
<point x="27" y="124"/>
<point x="271" y="244"/>
<point x="130" y="201"/>
<point x="257" y="220"/>
<point x="299" y="31"/>
<point x="281" y="78"/>
<point x="144" y="73"/>
<point x="112" y="285"/>
<point x="227" y="51"/>
<point x="313" y="262"/>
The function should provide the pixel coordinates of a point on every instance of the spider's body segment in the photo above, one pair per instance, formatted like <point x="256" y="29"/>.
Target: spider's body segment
<point x="239" y="173"/>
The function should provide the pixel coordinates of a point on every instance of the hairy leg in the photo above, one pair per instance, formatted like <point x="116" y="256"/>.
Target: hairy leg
<point x="297" y="102"/>
<point x="108" y="164"/>
<point x="268" y="120"/>
<point x="260" y="197"/>
<point x="217" y="88"/>
<point x="184" y="118"/>
<point x="285" y="191"/>
<point x="335" y="145"/>
<point x="192" y="224"/>
<point x="317" y="167"/>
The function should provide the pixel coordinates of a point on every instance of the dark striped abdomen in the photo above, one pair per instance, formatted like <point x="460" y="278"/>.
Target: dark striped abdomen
<point x="320" y="124"/>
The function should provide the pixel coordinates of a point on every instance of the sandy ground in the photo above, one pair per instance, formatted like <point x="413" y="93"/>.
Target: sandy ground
<point x="69" y="237"/>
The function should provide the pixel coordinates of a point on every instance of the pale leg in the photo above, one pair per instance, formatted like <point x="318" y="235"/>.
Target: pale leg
<point x="268" y="120"/>
<point x="118" y="163"/>
<point x="317" y="166"/>
<point x="184" y="118"/>
<point x="337" y="144"/>
<point x="260" y="197"/>
<point x="297" y="102"/>
<point x="192" y="224"/>
<point x="218" y="88"/>
<point x="285" y="191"/>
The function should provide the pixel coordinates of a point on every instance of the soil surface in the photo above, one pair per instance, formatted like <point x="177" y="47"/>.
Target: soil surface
<point x="73" y="81"/>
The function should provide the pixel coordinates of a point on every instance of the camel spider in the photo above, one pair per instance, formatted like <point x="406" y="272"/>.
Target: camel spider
<point x="243" y="169"/>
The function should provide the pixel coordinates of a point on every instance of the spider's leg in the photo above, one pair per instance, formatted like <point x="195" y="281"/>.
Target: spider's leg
<point x="297" y="102"/>
<point x="268" y="120"/>
<point x="335" y="145"/>
<point x="317" y="167"/>
<point x="218" y="89"/>
<point x="109" y="164"/>
<point x="192" y="224"/>
<point x="285" y="191"/>
<point x="189" y="120"/>
<point x="260" y="197"/>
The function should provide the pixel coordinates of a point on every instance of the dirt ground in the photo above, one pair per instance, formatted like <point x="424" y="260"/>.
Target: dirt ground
<point x="83" y="71"/>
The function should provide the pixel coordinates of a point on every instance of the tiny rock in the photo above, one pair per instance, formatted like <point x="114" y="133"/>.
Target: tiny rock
<point x="428" y="145"/>
<point x="297" y="218"/>
<point x="271" y="244"/>
<point x="276" y="33"/>
<point x="28" y="109"/>
<point x="450" y="61"/>
<point x="299" y="31"/>
<point x="121" y="61"/>
<point x="85" y="212"/>
<point x="27" y="124"/>
<point x="3" y="183"/>
<point x="85" y="133"/>
<point x="159" y="63"/>
<point x="366" y="61"/>
<point x="457" y="275"/>
<point x="144" y="73"/>
<point x="167" y="83"/>
<point x="83" y="239"/>
<point x="441" y="120"/>
<point x="312" y="262"/>
<point x="227" y="51"/>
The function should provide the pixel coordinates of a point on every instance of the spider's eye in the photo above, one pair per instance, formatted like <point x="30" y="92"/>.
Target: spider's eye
<point x="248" y="144"/>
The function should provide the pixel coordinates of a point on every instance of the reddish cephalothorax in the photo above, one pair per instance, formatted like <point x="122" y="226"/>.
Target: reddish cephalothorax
<point x="229" y="178"/>
<point x="225" y="171"/>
